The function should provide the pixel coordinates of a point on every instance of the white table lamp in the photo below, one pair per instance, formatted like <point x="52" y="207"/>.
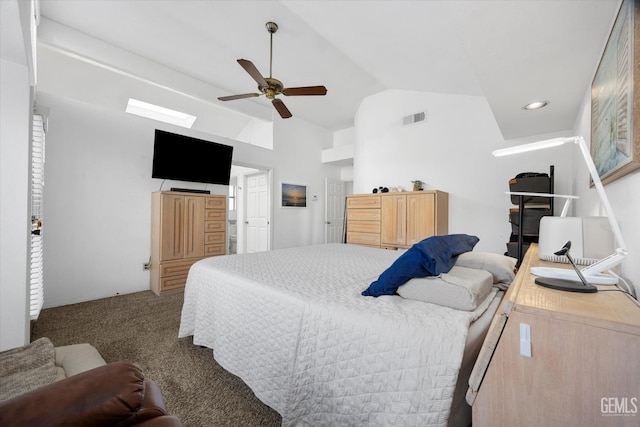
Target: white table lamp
<point x="592" y="272"/>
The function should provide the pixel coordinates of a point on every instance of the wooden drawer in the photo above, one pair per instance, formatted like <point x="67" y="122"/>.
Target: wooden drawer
<point x="176" y="268"/>
<point x="363" y="202"/>
<point x="213" y="238"/>
<point x="214" y="215"/>
<point x="212" y="226"/>
<point x="368" y="239"/>
<point x="363" y="215"/>
<point x="213" y="250"/>
<point x="174" y="282"/>
<point x="364" y="226"/>
<point x="216" y="203"/>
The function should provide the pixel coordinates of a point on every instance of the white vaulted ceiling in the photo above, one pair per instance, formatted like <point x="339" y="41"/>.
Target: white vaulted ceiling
<point x="511" y="52"/>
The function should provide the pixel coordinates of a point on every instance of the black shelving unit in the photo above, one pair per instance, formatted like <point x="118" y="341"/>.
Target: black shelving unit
<point x="525" y="224"/>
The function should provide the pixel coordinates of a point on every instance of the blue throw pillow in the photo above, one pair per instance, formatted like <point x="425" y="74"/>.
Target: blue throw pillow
<point x="430" y="257"/>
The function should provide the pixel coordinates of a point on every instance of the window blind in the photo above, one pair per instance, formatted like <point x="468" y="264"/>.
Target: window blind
<point x="37" y="188"/>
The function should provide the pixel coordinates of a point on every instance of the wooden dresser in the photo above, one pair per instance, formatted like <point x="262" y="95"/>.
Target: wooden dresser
<point x="396" y="220"/>
<point x="584" y="363"/>
<point x="185" y="227"/>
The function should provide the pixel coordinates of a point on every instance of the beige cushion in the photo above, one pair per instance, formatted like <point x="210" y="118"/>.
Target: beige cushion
<point x="501" y="267"/>
<point x="78" y="358"/>
<point x="60" y="373"/>
<point x="461" y="288"/>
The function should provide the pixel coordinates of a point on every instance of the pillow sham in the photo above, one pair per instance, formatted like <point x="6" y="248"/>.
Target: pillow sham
<point x="430" y="257"/>
<point x="461" y="288"/>
<point x="501" y="267"/>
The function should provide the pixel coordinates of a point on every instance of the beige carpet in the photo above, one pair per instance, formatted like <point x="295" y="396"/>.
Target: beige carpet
<point x="143" y="328"/>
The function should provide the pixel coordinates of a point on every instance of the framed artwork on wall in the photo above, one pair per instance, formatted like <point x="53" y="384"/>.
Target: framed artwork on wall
<point x="615" y="93"/>
<point x="294" y="196"/>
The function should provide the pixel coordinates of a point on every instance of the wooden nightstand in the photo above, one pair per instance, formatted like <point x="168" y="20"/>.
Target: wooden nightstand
<point x="584" y="368"/>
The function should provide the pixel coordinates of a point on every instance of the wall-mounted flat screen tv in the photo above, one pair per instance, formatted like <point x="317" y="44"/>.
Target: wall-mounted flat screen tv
<point x="184" y="158"/>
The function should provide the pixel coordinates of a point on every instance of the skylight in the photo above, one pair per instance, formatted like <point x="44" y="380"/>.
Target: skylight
<point x="161" y="114"/>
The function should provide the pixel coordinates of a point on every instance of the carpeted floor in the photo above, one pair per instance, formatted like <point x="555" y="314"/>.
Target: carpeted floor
<point x="143" y="328"/>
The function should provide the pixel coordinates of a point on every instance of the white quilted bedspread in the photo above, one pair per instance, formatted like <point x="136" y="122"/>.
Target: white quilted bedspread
<point x="292" y="324"/>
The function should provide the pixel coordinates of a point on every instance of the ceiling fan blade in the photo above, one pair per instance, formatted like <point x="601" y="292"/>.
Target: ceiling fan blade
<point x="253" y="72"/>
<point x="306" y="90"/>
<point x="242" y="96"/>
<point x="281" y="108"/>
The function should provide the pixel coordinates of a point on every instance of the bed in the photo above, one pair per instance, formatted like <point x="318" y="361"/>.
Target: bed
<point x="293" y="325"/>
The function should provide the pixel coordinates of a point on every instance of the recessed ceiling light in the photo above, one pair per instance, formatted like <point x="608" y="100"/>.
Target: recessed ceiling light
<point x="536" y="105"/>
<point x="155" y="112"/>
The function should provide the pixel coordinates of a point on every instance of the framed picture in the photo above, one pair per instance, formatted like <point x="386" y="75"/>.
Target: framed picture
<point x="294" y="196"/>
<point x="615" y="120"/>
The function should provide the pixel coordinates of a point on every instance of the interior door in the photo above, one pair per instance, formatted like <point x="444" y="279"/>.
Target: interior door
<point x="335" y="193"/>
<point x="257" y="228"/>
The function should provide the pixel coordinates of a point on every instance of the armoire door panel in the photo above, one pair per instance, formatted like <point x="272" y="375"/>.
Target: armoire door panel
<point x="420" y="217"/>
<point x="394" y="211"/>
<point x="172" y="230"/>
<point x="194" y="227"/>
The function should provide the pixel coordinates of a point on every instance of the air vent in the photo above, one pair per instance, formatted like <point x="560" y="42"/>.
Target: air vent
<point x="414" y="118"/>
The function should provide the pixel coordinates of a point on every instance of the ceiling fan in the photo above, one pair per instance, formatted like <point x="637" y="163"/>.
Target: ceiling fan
<point x="271" y="87"/>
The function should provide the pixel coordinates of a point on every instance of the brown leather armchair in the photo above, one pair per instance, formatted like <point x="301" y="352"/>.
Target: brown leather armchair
<point x="116" y="394"/>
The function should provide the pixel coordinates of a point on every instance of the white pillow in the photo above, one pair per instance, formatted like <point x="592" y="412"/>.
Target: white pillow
<point x="461" y="288"/>
<point x="500" y="266"/>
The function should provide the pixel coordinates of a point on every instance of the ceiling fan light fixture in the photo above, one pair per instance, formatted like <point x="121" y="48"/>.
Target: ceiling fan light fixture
<point x="271" y="87"/>
<point x="536" y="105"/>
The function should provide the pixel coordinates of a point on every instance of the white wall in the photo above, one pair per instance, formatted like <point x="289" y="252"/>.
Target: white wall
<point x="344" y="137"/>
<point x="257" y="132"/>
<point x="97" y="202"/>
<point x="15" y="113"/>
<point x="450" y="151"/>
<point x="14" y="212"/>
<point x="298" y="149"/>
<point x="342" y="153"/>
